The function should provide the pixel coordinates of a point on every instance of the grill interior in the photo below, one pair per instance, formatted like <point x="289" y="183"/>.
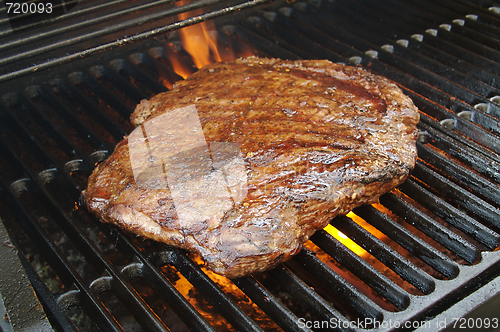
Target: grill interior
<point x="429" y="244"/>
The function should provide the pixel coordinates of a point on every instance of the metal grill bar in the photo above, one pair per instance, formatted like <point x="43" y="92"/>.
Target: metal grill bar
<point x="477" y="184"/>
<point x="341" y="33"/>
<point x="410" y="242"/>
<point x="90" y="22"/>
<point x="270" y="304"/>
<point x="431" y="228"/>
<point x="470" y="155"/>
<point x="4" y="22"/>
<point x="120" y="42"/>
<point x="232" y="312"/>
<point x="92" y="254"/>
<point x="461" y="196"/>
<point x="367" y="273"/>
<point x="119" y="286"/>
<point x="64" y="268"/>
<point x="451" y="214"/>
<point x="335" y="283"/>
<point x="58" y="318"/>
<point x="303" y="293"/>
<point x="392" y="259"/>
<point x="89" y="83"/>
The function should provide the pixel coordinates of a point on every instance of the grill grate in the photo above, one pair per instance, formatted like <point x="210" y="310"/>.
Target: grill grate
<point x="426" y="246"/>
<point x="97" y="27"/>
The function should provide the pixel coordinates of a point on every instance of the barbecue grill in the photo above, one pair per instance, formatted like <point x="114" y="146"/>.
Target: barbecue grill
<point x="425" y="258"/>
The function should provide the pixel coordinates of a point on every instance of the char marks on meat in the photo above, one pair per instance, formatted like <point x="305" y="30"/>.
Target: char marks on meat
<point x="244" y="160"/>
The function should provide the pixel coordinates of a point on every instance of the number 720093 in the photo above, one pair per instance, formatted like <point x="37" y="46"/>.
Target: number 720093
<point x="28" y="8"/>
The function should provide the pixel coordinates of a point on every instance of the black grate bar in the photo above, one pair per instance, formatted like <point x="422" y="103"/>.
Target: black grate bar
<point x="489" y="121"/>
<point x="470" y="34"/>
<point x="338" y="285"/>
<point x="424" y="89"/>
<point x="324" y="21"/>
<point x="76" y="97"/>
<point x="123" y="76"/>
<point x="477" y="184"/>
<point x="394" y="27"/>
<point x="140" y="310"/>
<point x="63" y="267"/>
<point x="388" y="256"/>
<point x="127" y="40"/>
<point x="224" y="304"/>
<point x="429" y="71"/>
<point x="76" y="234"/>
<point x="459" y="7"/>
<point x="43" y="156"/>
<point x="472" y="45"/>
<point x="261" y="43"/>
<point x="460" y="196"/>
<point x="478" y="59"/>
<point x="56" y="315"/>
<point x="261" y="26"/>
<point x="51" y="102"/>
<point x="86" y="23"/>
<point x="5" y="21"/>
<point x="307" y="296"/>
<point x="435" y="107"/>
<point x="59" y="263"/>
<point x="362" y="269"/>
<point x="404" y="66"/>
<point x="483" y="162"/>
<point x="84" y="80"/>
<point x="409" y="241"/>
<point x="449" y="122"/>
<point x="130" y="72"/>
<point x="121" y="84"/>
<point x="110" y="29"/>
<point x="148" y="62"/>
<point x="439" y="62"/>
<point x="423" y="222"/>
<point x="270" y="304"/>
<point x="416" y="18"/>
<point x="317" y="36"/>
<point x="468" y="78"/>
<point x="184" y="310"/>
<point x="118" y="285"/>
<point x="44" y="161"/>
<point x="344" y="31"/>
<point x="486" y="24"/>
<point x="482" y="69"/>
<point x="451" y="214"/>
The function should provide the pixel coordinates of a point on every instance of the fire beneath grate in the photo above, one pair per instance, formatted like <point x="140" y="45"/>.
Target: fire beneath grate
<point x="395" y="265"/>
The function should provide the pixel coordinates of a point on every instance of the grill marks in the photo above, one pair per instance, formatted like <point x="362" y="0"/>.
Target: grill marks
<point x="308" y="122"/>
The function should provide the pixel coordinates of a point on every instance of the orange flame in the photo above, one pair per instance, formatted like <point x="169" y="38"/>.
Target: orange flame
<point x="179" y="66"/>
<point x="201" y="42"/>
<point x="198" y="40"/>
<point x="350" y="243"/>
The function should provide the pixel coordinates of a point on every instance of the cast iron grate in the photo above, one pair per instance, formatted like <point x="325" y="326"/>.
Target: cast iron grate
<point x="428" y="244"/>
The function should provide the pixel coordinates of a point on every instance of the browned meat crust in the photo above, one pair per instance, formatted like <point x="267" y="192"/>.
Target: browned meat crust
<point x="295" y="143"/>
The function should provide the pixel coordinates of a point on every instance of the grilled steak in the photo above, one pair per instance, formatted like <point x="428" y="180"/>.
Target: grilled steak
<point x="243" y="161"/>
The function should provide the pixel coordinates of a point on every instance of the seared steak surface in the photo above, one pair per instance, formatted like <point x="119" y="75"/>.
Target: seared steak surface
<point x="243" y="161"/>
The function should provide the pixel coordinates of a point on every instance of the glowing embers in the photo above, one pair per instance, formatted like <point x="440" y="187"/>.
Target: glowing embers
<point x="205" y="179"/>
